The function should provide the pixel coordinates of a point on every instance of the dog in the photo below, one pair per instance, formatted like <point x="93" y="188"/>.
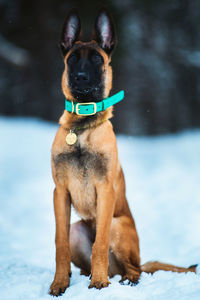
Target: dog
<point x="86" y="169"/>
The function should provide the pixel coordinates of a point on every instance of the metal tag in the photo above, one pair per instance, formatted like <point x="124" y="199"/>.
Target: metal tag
<point x="71" y="138"/>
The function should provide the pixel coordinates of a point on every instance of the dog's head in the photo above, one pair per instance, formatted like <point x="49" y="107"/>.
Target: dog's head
<point x="88" y="74"/>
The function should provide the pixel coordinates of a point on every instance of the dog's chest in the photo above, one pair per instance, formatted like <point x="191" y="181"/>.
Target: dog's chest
<point x="83" y="197"/>
<point x="80" y="161"/>
<point x="79" y="169"/>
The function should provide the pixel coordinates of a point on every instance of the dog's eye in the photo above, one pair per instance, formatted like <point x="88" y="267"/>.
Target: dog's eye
<point x="97" y="58"/>
<point x="72" y="58"/>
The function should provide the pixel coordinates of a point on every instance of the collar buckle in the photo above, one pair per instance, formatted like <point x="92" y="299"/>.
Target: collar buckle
<point x="86" y="114"/>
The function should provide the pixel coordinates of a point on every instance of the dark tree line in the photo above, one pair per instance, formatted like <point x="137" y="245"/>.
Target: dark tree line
<point x="156" y="62"/>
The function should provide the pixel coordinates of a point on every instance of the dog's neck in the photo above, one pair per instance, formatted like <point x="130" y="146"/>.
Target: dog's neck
<point x="69" y="120"/>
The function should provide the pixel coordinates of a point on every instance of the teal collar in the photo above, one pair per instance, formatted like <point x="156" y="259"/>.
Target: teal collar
<point x="91" y="108"/>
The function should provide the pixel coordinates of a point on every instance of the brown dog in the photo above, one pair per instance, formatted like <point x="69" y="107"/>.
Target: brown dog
<point x="87" y="172"/>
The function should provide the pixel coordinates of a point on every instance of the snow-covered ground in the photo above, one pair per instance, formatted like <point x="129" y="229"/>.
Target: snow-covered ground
<point x="163" y="189"/>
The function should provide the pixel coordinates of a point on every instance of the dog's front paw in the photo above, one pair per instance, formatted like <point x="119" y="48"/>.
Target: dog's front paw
<point x="57" y="288"/>
<point x="99" y="284"/>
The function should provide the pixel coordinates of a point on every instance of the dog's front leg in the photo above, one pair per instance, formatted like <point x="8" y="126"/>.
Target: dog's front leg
<point x="99" y="263"/>
<point x="62" y="208"/>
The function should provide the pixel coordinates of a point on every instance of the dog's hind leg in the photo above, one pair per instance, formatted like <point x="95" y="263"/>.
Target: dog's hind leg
<point x="124" y="244"/>
<point x="82" y="237"/>
<point x="81" y="240"/>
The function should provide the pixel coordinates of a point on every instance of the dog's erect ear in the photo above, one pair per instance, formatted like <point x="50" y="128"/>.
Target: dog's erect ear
<point x="70" y="32"/>
<point x="105" y="32"/>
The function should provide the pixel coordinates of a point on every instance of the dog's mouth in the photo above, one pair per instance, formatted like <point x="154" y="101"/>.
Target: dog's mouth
<point x="87" y="93"/>
<point x="83" y="91"/>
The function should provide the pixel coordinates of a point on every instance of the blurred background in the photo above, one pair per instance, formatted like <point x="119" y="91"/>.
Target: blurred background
<point x="156" y="62"/>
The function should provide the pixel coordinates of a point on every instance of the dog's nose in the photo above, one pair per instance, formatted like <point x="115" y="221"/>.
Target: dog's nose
<point x="81" y="77"/>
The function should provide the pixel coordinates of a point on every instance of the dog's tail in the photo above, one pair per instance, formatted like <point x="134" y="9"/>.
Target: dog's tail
<point x="153" y="266"/>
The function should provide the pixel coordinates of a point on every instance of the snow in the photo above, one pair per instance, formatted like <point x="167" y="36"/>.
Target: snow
<point x="162" y="176"/>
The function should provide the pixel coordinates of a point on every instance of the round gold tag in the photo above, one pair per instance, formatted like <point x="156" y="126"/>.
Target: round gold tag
<point x="71" y="138"/>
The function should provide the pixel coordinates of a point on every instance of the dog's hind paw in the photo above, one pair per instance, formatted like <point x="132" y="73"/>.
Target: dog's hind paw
<point x="85" y="273"/>
<point x="132" y="279"/>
